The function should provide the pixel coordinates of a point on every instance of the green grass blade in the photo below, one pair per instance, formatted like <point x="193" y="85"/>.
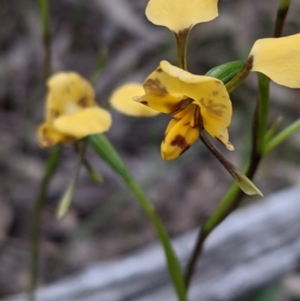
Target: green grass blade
<point x="106" y="151"/>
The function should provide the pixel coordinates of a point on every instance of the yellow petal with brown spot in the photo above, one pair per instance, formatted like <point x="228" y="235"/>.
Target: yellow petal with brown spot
<point x="179" y="15"/>
<point x="162" y="92"/>
<point x="68" y="94"/>
<point x="170" y="89"/>
<point x="216" y="127"/>
<point x="122" y="100"/>
<point x="86" y="122"/>
<point x="48" y="136"/>
<point x="180" y="135"/>
<point x="207" y="92"/>
<point x="279" y="59"/>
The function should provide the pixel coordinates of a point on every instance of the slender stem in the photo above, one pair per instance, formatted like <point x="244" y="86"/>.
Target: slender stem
<point x="229" y="203"/>
<point x="46" y="36"/>
<point x="181" y="39"/>
<point x="234" y="196"/>
<point x="105" y="150"/>
<point x="50" y="169"/>
<point x="228" y="165"/>
<point x="283" y="135"/>
<point x="262" y="112"/>
<point x="281" y="16"/>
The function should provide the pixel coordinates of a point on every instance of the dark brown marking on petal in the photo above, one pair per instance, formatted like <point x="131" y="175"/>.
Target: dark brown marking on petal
<point x="159" y="69"/>
<point x="182" y="33"/>
<point x="83" y="102"/>
<point x="154" y="85"/>
<point x="196" y="118"/>
<point x="182" y="105"/>
<point x="54" y="113"/>
<point x="181" y="142"/>
<point x="144" y="102"/>
<point x="216" y="108"/>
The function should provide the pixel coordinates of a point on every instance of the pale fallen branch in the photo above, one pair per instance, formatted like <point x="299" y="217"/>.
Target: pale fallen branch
<point x="255" y="246"/>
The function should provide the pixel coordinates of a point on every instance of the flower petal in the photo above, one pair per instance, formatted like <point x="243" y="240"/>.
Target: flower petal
<point x="180" y="135"/>
<point x="68" y="94"/>
<point x="279" y="59"/>
<point x="163" y="93"/>
<point x="216" y="127"/>
<point x="48" y="136"/>
<point x="178" y="15"/>
<point x="122" y="100"/>
<point x="169" y="89"/>
<point x="83" y="123"/>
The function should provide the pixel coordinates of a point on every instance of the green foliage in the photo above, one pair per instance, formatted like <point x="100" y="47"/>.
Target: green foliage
<point x="227" y="71"/>
<point x="106" y="152"/>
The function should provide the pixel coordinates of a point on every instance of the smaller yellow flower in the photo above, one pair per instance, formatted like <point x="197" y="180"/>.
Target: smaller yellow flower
<point x="71" y="111"/>
<point x="195" y="101"/>
<point x="279" y="59"/>
<point x="122" y="100"/>
<point x="181" y="15"/>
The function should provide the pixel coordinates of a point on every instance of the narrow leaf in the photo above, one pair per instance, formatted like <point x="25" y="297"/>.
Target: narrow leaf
<point x="241" y="180"/>
<point x="93" y="174"/>
<point x="106" y="151"/>
<point x="66" y="200"/>
<point x="282" y="136"/>
<point x="244" y="183"/>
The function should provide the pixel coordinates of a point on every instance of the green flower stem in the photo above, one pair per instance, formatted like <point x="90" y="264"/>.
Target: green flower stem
<point x="181" y="39"/>
<point x="242" y="181"/>
<point x="173" y="265"/>
<point x="260" y="125"/>
<point x="282" y="136"/>
<point x="241" y="76"/>
<point x="258" y="150"/>
<point x="50" y="169"/>
<point x="106" y="151"/>
<point x="228" y="204"/>
<point x="281" y="16"/>
<point x="46" y="35"/>
<point x="234" y="196"/>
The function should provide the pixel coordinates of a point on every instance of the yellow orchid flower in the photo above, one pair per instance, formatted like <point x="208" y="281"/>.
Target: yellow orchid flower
<point x="122" y="100"/>
<point x="195" y="101"/>
<point x="279" y="59"/>
<point x="181" y="15"/>
<point x="71" y="111"/>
